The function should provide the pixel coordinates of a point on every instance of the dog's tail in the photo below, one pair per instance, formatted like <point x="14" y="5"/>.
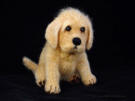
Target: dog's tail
<point x="29" y="64"/>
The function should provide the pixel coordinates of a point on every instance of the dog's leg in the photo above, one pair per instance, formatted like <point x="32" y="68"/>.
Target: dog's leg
<point x="52" y="76"/>
<point x="84" y="70"/>
<point x="38" y="70"/>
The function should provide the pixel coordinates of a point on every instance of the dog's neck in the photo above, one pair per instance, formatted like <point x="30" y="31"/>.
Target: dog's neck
<point x="67" y="54"/>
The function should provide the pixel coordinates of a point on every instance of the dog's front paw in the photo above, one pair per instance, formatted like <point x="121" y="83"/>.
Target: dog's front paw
<point x="90" y="80"/>
<point x="52" y="88"/>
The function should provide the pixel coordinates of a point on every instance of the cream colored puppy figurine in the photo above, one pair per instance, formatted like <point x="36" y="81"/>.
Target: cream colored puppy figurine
<point x="64" y="56"/>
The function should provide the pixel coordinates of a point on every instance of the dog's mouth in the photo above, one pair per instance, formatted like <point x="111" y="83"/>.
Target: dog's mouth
<point x="72" y="53"/>
<point x="74" y="50"/>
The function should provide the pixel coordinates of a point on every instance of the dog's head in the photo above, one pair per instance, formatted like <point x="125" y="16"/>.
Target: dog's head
<point x="71" y="30"/>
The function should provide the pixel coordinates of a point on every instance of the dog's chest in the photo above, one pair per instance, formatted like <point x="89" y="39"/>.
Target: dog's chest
<point x="67" y="64"/>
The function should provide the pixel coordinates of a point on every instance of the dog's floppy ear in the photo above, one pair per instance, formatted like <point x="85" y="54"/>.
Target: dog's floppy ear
<point x="90" y="35"/>
<point x="52" y="32"/>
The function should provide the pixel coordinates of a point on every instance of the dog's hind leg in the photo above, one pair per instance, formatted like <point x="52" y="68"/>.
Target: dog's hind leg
<point x="40" y="75"/>
<point x="38" y="70"/>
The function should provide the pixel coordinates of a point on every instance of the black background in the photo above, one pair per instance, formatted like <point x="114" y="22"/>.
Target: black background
<point x="112" y="57"/>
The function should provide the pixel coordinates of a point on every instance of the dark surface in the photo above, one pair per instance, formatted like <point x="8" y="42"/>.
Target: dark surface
<point x="110" y="87"/>
<point x="112" y="57"/>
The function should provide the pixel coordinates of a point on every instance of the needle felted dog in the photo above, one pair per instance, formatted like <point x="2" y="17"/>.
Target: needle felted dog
<point x="64" y="56"/>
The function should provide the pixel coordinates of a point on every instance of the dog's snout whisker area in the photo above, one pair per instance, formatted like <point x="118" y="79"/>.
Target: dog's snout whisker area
<point x="76" y="41"/>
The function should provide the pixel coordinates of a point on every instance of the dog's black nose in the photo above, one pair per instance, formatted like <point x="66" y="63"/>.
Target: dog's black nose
<point x="76" y="41"/>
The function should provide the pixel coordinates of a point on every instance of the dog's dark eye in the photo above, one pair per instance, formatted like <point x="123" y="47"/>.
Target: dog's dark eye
<point x="68" y="28"/>
<point x="82" y="29"/>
